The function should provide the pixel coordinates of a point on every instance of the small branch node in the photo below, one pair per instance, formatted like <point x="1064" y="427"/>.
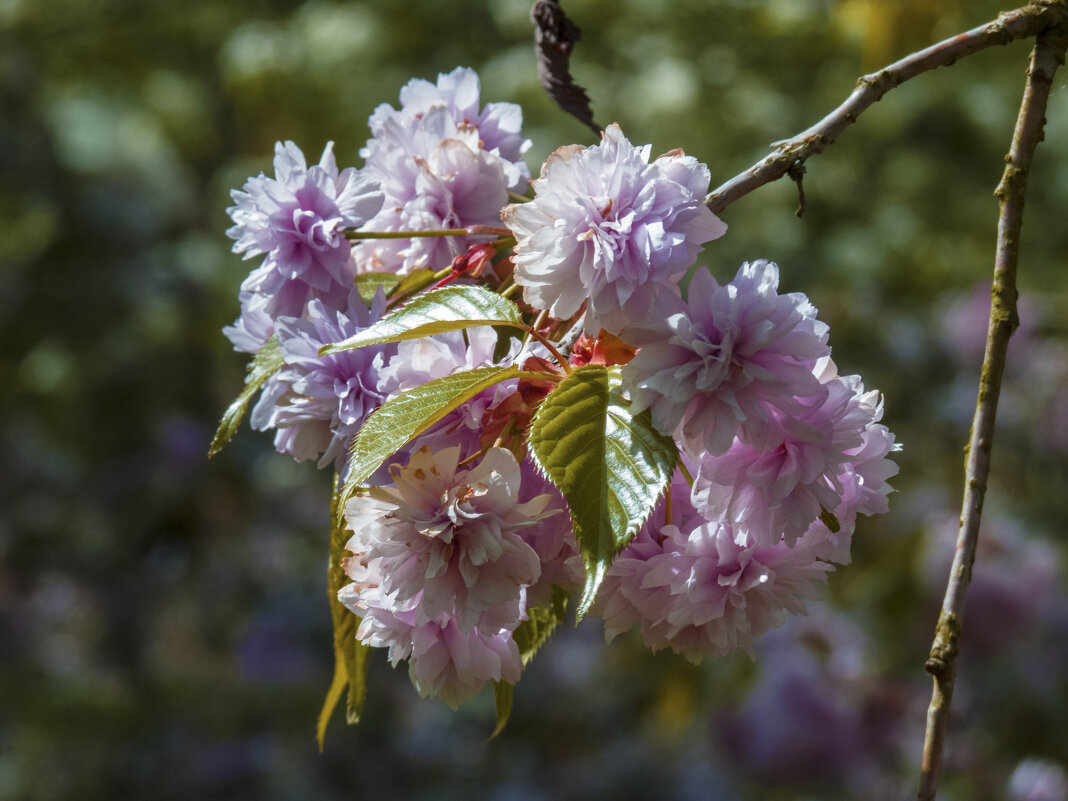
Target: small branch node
<point x="936" y="667"/>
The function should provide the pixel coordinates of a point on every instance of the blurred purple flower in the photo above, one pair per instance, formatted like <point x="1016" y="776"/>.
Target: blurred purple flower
<point x="181" y="447"/>
<point x="964" y="323"/>
<point x="1014" y="578"/>
<point x="1038" y="780"/>
<point x="813" y="679"/>
<point x="273" y="646"/>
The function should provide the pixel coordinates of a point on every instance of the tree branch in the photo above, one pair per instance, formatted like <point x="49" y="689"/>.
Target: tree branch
<point x="1048" y="54"/>
<point x="790" y="154"/>
<point x="554" y="38"/>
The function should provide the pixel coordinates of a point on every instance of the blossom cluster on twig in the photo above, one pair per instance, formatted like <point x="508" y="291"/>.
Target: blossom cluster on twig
<point x="692" y="467"/>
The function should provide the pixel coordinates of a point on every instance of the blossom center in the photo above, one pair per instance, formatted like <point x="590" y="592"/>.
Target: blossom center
<point x="312" y="230"/>
<point x="715" y="353"/>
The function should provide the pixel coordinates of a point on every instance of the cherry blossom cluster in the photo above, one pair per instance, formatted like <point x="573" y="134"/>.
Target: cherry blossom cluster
<point x="460" y="537"/>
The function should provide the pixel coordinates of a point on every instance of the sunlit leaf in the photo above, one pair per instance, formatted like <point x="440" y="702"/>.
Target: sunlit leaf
<point x="350" y="656"/>
<point x="263" y="365"/>
<point x="502" y="700"/>
<point x="450" y="308"/>
<point x="530" y="635"/>
<point x="389" y="427"/>
<point x="413" y="282"/>
<point x="611" y="465"/>
<point x="367" y="284"/>
<point x="541" y="621"/>
<point x="333" y="695"/>
<point x="356" y="663"/>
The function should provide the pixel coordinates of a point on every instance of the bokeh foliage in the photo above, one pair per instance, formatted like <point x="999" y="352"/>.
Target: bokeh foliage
<point x="165" y="629"/>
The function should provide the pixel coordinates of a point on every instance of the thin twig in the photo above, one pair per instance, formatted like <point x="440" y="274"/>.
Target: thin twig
<point x="1047" y="55"/>
<point x="1022" y="23"/>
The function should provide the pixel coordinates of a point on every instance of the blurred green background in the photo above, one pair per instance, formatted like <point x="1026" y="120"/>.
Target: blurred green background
<point x="165" y="630"/>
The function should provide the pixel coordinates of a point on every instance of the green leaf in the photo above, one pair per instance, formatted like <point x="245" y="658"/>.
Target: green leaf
<point x="505" y="335"/>
<point x="350" y="655"/>
<point x="389" y="427"/>
<point x="356" y="665"/>
<point x="502" y="698"/>
<point x="447" y="309"/>
<point x="533" y="632"/>
<point x="395" y="286"/>
<point x="367" y="284"/>
<point x="333" y="695"/>
<point x="530" y="635"/>
<point x="611" y="465"/>
<point x="263" y="365"/>
<point x="413" y="282"/>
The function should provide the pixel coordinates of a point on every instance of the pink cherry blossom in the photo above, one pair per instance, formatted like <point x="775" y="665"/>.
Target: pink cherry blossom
<point x="611" y="229"/>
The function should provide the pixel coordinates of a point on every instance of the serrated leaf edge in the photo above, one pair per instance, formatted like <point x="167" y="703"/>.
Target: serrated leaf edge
<point x="424" y="304"/>
<point x="493" y="376"/>
<point x="267" y="361"/>
<point x="596" y="571"/>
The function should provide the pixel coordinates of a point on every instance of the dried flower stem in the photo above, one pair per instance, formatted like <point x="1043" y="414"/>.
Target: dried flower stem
<point x="1048" y="54"/>
<point x="790" y="154"/>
